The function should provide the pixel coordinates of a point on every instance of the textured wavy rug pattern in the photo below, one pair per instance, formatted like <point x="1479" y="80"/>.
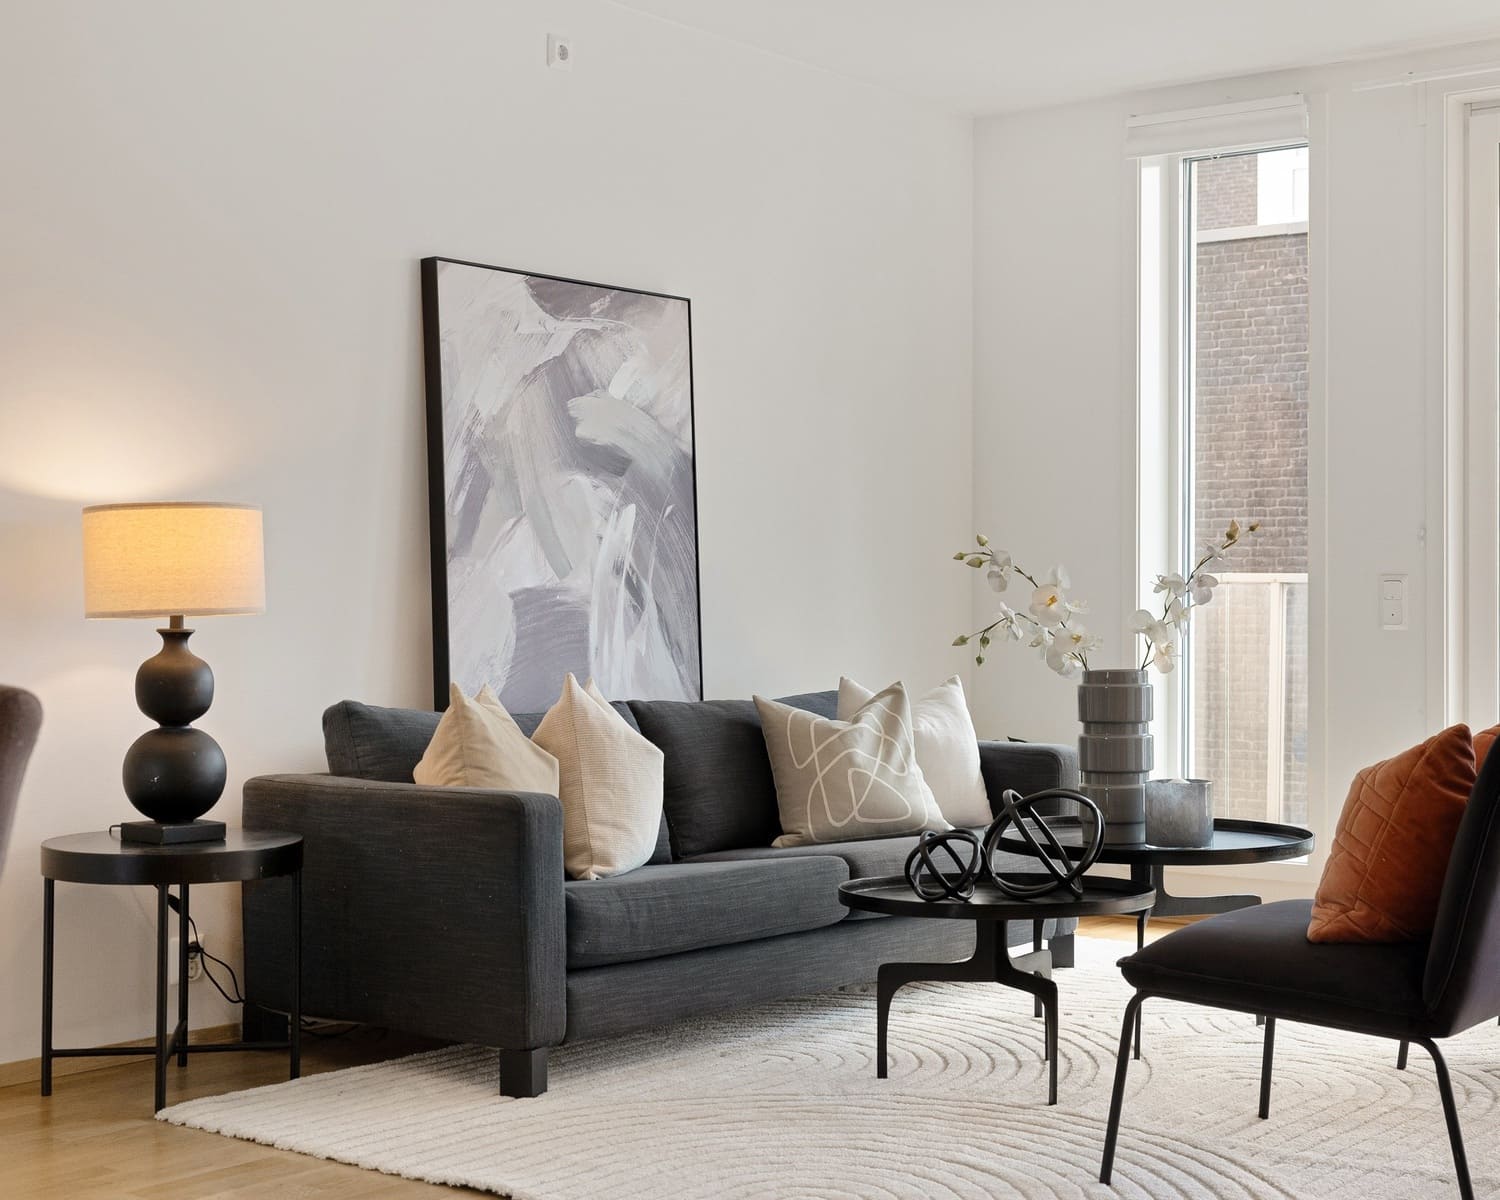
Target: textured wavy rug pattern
<point x="782" y="1101"/>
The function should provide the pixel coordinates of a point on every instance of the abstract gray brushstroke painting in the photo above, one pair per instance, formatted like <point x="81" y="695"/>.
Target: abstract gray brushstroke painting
<point x="569" y="516"/>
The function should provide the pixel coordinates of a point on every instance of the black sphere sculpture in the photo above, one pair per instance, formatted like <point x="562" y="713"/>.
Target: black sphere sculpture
<point x="957" y="878"/>
<point x="1020" y="811"/>
<point x="932" y="881"/>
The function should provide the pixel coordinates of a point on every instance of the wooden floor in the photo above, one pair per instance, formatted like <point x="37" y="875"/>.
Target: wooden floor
<point x="95" y="1136"/>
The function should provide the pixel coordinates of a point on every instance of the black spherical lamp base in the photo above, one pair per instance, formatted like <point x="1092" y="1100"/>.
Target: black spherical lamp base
<point x="173" y="774"/>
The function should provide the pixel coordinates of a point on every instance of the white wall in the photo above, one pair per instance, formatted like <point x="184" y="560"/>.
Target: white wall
<point x="209" y="236"/>
<point x="1054" y="387"/>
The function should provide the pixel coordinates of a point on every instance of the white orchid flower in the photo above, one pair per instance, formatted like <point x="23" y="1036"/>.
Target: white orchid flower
<point x="1177" y="614"/>
<point x="1049" y="605"/>
<point x="1062" y="658"/>
<point x="1174" y="584"/>
<point x="1164" y="657"/>
<point x="1210" y="553"/>
<point x="995" y="576"/>
<point x="1202" y="587"/>
<point x="1058" y="578"/>
<point x="1041" y="639"/>
<point x="1150" y="627"/>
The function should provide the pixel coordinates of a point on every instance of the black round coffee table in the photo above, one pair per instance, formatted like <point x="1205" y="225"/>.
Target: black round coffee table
<point x="989" y="909"/>
<point x="1235" y="843"/>
<point x="102" y="858"/>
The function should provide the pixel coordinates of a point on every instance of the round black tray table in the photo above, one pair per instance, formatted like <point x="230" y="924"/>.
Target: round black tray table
<point x="989" y="909"/>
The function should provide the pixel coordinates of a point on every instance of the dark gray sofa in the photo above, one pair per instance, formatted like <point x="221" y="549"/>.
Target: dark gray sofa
<point x="445" y="911"/>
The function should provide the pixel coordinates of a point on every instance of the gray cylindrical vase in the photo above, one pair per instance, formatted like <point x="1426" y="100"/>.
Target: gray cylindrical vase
<point x="1115" y="750"/>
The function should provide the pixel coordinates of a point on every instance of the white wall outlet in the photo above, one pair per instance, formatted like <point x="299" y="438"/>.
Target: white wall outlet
<point x="1393" y="601"/>
<point x="560" y="51"/>
<point x="195" y="962"/>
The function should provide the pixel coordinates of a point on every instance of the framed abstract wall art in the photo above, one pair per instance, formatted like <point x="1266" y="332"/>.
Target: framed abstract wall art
<point x="562" y="490"/>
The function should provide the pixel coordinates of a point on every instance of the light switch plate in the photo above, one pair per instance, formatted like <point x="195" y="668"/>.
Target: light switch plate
<point x="1393" y="601"/>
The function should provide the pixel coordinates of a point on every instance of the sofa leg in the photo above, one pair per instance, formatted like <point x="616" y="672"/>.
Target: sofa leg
<point x="523" y="1073"/>
<point x="259" y="1024"/>
<point x="1062" y="950"/>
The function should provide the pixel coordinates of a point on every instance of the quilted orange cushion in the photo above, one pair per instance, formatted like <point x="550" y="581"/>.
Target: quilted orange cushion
<point x="1390" y="852"/>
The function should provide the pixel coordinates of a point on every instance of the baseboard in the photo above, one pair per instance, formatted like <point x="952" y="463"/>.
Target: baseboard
<point x="29" y="1070"/>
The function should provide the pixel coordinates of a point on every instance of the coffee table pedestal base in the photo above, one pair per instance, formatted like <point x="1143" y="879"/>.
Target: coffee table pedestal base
<point x="991" y="963"/>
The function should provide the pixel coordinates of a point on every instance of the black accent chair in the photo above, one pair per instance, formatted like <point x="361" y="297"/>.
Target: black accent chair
<point x="1259" y="961"/>
<point x="20" y="720"/>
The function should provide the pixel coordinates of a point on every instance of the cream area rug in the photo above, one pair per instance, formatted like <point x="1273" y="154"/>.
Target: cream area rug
<point x="782" y="1101"/>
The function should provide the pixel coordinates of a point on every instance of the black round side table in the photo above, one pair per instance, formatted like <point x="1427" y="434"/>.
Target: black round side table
<point x="101" y="858"/>
<point x="989" y="908"/>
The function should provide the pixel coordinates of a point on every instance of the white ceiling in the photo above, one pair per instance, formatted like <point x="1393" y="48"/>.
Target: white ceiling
<point x="977" y="56"/>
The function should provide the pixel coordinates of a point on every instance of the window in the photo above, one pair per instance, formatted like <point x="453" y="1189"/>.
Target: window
<point x="1224" y="435"/>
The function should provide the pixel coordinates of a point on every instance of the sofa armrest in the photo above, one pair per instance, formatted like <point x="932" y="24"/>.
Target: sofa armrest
<point x="438" y="911"/>
<point x="1027" y="767"/>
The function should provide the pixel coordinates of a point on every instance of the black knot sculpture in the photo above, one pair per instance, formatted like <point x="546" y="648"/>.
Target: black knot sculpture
<point x="950" y="865"/>
<point x="953" y="880"/>
<point x="1020" y="811"/>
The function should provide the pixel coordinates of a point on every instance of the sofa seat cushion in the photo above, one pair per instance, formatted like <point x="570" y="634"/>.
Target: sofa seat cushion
<point x="672" y="908"/>
<point x="865" y="859"/>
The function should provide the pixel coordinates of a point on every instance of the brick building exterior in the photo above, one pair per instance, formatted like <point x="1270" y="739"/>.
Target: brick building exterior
<point x="1250" y="460"/>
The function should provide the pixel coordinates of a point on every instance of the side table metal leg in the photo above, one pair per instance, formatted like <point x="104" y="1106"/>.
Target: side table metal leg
<point x="1049" y="1000"/>
<point x="48" y="930"/>
<point x="294" y="1033"/>
<point x="183" y="925"/>
<point x="161" y="997"/>
<point x="1036" y="948"/>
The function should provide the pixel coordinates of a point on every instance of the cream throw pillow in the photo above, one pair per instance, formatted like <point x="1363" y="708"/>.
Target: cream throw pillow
<point x="478" y="744"/>
<point x="841" y="780"/>
<point x="947" y="748"/>
<point x="610" y="785"/>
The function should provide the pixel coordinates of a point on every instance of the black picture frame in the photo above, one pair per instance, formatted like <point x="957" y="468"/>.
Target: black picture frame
<point x="437" y="490"/>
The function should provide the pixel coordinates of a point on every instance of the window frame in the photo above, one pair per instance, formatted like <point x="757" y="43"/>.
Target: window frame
<point x="1163" y="366"/>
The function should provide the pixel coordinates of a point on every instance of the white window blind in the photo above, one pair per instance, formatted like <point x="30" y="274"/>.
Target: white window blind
<point x="1238" y="126"/>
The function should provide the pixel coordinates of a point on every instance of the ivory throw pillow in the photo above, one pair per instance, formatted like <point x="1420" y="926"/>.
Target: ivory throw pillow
<point x="610" y="784"/>
<point x="1390" y="853"/>
<point x="841" y="780"/>
<point x="947" y="748"/>
<point x="478" y="744"/>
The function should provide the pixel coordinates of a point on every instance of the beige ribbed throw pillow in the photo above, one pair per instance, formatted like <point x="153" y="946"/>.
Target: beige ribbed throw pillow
<point x="610" y="784"/>
<point x="478" y="744"/>
<point x="841" y="780"/>
<point x="947" y="748"/>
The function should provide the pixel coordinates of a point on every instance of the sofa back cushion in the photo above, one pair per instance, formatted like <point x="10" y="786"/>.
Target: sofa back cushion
<point x="719" y="794"/>
<point x="365" y="741"/>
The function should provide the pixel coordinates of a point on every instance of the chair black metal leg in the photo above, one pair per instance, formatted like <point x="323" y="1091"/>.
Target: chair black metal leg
<point x="1268" y="1057"/>
<point x="1401" y="1056"/>
<point x="1450" y="1114"/>
<point x="1117" y="1099"/>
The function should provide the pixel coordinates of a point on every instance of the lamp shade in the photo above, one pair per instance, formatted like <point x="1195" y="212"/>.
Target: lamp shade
<point x="156" y="560"/>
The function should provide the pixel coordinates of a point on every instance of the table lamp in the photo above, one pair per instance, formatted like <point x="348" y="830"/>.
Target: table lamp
<point x="173" y="561"/>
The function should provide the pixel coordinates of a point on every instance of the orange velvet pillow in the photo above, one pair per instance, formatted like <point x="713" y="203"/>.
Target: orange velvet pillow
<point x="1395" y="835"/>
<point x="1483" y="740"/>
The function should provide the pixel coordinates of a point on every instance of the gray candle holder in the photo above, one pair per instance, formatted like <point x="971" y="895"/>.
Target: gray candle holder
<point x="1179" y="812"/>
